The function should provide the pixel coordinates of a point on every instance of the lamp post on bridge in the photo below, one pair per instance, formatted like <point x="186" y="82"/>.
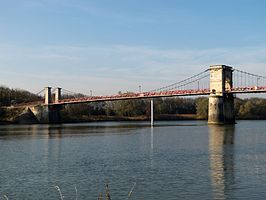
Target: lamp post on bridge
<point x="258" y="78"/>
<point x="198" y="85"/>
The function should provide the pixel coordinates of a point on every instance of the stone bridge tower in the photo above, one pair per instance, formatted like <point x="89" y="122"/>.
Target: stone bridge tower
<point x="221" y="100"/>
<point x="48" y="112"/>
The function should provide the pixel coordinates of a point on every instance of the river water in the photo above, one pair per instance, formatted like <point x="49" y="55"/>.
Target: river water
<point x="173" y="160"/>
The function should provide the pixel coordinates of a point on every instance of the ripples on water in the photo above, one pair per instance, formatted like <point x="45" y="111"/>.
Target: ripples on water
<point x="173" y="160"/>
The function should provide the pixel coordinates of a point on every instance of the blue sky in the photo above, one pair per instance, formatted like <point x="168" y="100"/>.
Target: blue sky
<point x="116" y="45"/>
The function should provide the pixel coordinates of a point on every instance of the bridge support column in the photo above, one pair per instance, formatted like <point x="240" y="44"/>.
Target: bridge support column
<point x="47" y="95"/>
<point x="152" y="116"/>
<point x="57" y="94"/>
<point x="54" y="116"/>
<point x="221" y="100"/>
<point x="48" y="113"/>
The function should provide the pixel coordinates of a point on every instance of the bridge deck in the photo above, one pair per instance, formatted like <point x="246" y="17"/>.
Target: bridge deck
<point x="145" y="95"/>
<point x="128" y="96"/>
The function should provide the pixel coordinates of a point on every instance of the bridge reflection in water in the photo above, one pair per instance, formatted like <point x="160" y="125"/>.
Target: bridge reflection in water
<point x="221" y="156"/>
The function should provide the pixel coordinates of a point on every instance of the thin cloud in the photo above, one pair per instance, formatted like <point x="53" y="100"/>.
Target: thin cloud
<point x="112" y="68"/>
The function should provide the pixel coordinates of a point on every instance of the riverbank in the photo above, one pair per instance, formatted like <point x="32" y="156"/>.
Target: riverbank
<point x="102" y="118"/>
<point x="96" y="118"/>
<point x="4" y="123"/>
<point x="27" y="119"/>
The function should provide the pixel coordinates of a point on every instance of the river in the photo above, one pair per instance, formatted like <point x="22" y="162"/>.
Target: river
<point x="173" y="160"/>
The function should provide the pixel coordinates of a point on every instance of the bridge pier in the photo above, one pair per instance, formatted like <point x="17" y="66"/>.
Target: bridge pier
<point x="221" y="110"/>
<point x="221" y="100"/>
<point x="58" y="95"/>
<point x="54" y="116"/>
<point x="47" y="95"/>
<point x="48" y="113"/>
<point x="152" y="113"/>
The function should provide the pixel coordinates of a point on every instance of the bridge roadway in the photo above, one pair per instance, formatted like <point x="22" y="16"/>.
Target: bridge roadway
<point x="143" y="95"/>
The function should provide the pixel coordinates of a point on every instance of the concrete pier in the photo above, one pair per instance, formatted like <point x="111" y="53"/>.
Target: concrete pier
<point x="221" y="101"/>
<point x="58" y="92"/>
<point x="47" y="95"/>
<point x="152" y="113"/>
<point x="48" y="112"/>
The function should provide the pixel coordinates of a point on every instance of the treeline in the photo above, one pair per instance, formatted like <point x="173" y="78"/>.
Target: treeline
<point x="253" y="108"/>
<point x="10" y="96"/>
<point x="164" y="108"/>
<point x="131" y="108"/>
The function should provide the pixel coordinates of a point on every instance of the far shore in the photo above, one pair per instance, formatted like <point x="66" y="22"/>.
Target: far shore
<point x="104" y="118"/>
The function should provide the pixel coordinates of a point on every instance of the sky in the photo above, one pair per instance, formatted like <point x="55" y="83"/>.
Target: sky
<point x="106" y="46"/>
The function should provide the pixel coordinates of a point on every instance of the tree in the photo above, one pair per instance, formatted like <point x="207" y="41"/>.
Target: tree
<point x="175" y="106"/>
<point x="14" y="96"/>
<point x="202" y="107"/>
<point x="252" y="108"/>
<point x="130" y="108"/>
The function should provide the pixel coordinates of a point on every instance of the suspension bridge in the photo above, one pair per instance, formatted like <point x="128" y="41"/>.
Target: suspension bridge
<point x="199" y="84"/>
<point x="220" y="82"/>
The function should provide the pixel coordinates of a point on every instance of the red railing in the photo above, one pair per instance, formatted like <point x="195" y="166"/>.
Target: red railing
<point x="249" y="89"/>
<point x="135" y="96"/>
<point x="254" y="89"/>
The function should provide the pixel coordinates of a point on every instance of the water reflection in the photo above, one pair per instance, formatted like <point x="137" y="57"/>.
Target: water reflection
<point x="151" y="149"/>
<point x="54" y="132"/>
<point x="30" y="131"/>
<point x="221" y="151"/>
